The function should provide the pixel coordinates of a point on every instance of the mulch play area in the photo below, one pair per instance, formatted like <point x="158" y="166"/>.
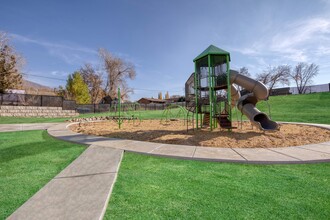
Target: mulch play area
<point x="175" y="132"/>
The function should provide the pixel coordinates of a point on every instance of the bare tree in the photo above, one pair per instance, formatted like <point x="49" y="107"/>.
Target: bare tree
<point x="274" y="76"/>
<point x="94" y="82"/>
<point x="117" y="73"/>
<point x="125" y="91"/>
<point x="245" y="72"/>
<point x="10" y="62"/>
<point x="303" y="74"/>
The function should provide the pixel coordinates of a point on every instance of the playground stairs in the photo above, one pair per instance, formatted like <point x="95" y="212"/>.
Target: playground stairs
<point x="206" y="119"/>
<point x="191" y="107"/>
<point x="224" y="121"/>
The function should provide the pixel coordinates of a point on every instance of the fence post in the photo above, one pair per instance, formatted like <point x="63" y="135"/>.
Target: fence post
<point x="94" y="107"/>
<point x="41" y="101"/>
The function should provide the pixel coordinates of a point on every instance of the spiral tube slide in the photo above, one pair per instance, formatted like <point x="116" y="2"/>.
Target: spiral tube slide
<point x="246" y="103"/>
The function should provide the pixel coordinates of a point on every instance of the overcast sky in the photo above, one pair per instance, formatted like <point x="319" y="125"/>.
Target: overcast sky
<point x="162" y="37"/>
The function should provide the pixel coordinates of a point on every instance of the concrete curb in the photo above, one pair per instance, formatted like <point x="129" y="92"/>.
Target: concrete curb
<point x="313" y="153"/>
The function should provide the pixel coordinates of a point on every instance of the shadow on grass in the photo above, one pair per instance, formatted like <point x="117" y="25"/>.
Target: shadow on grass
<point x="31" y="149"/>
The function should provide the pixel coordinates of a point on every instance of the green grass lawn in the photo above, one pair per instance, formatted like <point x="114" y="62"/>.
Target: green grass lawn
<point x="313" y="108"/>
<point x="161" y="188"/>
<point x="151" y="114"/>
<point x="18" y="120"/>
<point x="28" y="160"/>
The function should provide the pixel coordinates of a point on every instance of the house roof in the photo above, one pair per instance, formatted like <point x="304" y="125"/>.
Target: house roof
<point x="153" y="100"/>
<point x="212" y="50"/>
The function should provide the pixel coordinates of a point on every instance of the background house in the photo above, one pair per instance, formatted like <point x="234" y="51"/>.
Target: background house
<point x="151" y="101"/>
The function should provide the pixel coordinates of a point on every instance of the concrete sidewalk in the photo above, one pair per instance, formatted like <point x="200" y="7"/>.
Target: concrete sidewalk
<point x="81" y="191"/>
<point x="298" y="154"/>
<point x="25" y="127"/>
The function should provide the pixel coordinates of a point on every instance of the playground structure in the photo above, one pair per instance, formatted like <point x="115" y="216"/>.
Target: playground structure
<point x="169" y="115"/>
<point x="129" y="114"/>
<point x="211" y="93"/>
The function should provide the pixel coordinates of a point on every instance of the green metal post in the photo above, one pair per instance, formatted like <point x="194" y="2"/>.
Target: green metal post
<point x="228" y="88"/>
<point x="215" y="109"/>
<point x="119" y="108"/>
<point x="210" y="90"/>
<point x="196" y="94"/>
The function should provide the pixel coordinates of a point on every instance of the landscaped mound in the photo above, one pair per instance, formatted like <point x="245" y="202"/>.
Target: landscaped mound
<point x="175" y="132"/>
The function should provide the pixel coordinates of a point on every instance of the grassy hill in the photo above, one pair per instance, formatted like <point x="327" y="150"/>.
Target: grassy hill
<point x="299" y="108"/>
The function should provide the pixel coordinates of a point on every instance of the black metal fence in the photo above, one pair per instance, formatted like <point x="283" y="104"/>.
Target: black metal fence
<point x="113" y="107"/>
<point x="58" y="101"/>
<point x="35" y="100"/>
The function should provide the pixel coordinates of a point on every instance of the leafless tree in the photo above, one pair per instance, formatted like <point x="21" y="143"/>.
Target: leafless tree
<point x="94" y="82"/>
<point x="274" y="76"/>
<point x="125" y="91"/>
<point x="303" y="74"/>
<point x="117" y="73"/>
<point x="10" y="63"/>
<point x="245" y="72"/>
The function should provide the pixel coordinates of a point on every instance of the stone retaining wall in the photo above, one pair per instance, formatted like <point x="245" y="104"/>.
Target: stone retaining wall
<point x="36" y="111"/>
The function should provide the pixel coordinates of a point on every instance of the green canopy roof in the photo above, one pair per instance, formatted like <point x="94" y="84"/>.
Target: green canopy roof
<point x="212" y="50"/>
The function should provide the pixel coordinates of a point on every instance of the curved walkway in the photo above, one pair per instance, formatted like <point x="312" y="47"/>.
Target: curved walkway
<point x="25" y="127"/>
<point x="299" y="154"/>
